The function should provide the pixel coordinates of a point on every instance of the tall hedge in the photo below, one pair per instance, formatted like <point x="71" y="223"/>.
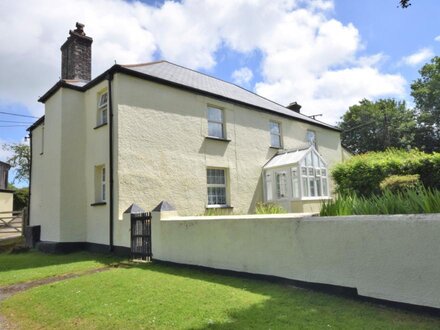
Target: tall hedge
<point x="362" y="174"/>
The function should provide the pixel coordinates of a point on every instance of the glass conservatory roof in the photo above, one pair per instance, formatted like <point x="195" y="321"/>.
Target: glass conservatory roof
<point x="288" y="158"/>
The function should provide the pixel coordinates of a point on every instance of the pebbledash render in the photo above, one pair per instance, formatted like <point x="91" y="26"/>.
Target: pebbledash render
<point x="158" y="131"/>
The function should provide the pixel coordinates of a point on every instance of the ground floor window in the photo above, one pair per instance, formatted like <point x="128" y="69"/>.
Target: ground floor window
<point x="100" y="184"/>
<point x="216" y="183"/>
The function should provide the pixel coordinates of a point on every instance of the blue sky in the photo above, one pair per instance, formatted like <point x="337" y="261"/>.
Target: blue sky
<point x="326" y="55"/>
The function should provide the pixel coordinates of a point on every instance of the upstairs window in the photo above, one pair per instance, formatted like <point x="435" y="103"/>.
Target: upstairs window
<point x="275" y="134"/>
<point x="216" y="123"/>
<point x="216" y="181"/>
<point x="102" y="108"/>
<point x="311" y="138"/>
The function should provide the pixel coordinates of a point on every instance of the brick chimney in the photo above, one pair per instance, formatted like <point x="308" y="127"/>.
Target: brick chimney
<point x="294" y="106"/>
<point x="76" y="52"/>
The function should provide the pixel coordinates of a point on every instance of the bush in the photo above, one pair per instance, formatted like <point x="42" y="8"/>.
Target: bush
<point x="410" y="201"/>
<point x="21" y="198"/>
<point x="269" y="208"/>
<point x="396" y="183"/>
<point x="362" y="174"/>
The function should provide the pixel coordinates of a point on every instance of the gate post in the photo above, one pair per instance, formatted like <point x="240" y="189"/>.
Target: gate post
<point x="161" y="211"/>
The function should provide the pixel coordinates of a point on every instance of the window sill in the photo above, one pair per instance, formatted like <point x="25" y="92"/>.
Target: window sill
<point x="100" y="125"/>
<point x="276" y="148"/>
<point x="219" y="207"/>
<point x="98" y="204"/>
<point x="217" y="138"/>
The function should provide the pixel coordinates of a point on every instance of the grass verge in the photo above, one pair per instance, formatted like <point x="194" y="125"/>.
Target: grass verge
<point x="156" y="296"/>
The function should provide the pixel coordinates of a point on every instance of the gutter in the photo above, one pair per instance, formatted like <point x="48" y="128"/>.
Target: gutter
<point x="110" y="122"/>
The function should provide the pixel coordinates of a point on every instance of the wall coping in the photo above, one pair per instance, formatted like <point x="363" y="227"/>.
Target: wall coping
<point x="312" y="217"/>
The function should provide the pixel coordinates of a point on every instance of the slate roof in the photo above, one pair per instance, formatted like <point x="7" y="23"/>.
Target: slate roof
<point x="164" y="72"/>
<point x="178" y="74"/>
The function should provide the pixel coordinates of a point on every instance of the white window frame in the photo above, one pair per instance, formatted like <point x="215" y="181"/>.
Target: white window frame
<point x="100" y="184"/>
<point x="217" y="122"/>
<point x="102" y="192"/>
<point x="311" y="170"/>
<point x="281" y="188"/>
<point x="278" y="136"/>
<point x="217" y="185"/>
<point x="311" y="137"/>
<point x="102" y="108"/>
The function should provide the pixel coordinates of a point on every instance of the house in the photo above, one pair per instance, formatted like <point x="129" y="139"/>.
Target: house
<point x="6" y="195"/>
<point x="157" y="131"/>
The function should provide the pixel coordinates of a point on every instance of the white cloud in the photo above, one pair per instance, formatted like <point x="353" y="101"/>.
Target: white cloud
<point x="307" y="55"/>
<point x="437" y="38"/>
<point x="242" y="76"/>
<point x="419" y="57"/>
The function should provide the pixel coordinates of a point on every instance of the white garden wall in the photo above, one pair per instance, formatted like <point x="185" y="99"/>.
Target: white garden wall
<point x="395" y="258"/>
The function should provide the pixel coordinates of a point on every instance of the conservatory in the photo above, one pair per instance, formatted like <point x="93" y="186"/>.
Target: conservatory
<point x="297" y="180"/>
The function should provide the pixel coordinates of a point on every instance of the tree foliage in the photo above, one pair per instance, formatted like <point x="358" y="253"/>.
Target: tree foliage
<point x="426" y="94"/>
<point x="377" y="126"/>
<point x="20" y="160"/>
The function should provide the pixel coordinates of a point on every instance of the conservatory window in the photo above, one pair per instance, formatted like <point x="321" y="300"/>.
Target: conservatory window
<point x="269" y="187"/>
<point x="314" y="176"/>
<point x="281" y="184"/>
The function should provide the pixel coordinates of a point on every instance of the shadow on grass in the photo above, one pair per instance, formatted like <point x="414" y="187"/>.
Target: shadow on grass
<point x="291" y="307"/>
<point x="34" y="259"/>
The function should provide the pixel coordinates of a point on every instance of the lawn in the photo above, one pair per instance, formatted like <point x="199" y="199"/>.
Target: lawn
<point x="24" y="267"/>
<point x="157" y="296"/>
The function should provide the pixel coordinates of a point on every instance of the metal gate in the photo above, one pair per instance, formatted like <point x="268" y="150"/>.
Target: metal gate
<point x="141" y="236"/>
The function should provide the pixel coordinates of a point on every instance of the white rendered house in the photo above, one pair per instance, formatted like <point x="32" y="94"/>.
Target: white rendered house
<point x="157" y="131"/>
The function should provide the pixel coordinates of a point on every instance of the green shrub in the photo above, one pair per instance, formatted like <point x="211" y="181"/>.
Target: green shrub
<point x="217" y="212"/>
<point x="410" y="201"/>
<point x="396" y="183"/>
<point x="269" y="208"/>
<point x="362" y="174"/>
<point x="21" y="198"/>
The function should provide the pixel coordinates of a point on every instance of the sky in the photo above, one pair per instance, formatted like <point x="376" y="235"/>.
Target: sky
<point x="324" y="54"/>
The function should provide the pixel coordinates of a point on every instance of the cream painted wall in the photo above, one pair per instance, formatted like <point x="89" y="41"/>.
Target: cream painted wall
<point x="96" y="154"/>
<point x="72" y="186"/>
<point x="6" y="201"/>
<point x="163" y="153"/>
<point x="46" y="171"/>
<point x="395" y="258"/>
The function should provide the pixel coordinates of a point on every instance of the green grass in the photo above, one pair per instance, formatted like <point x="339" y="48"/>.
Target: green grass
<point x="411" y="201"/>
<point x="156" y="296"/>
<point x="24" y="267"/>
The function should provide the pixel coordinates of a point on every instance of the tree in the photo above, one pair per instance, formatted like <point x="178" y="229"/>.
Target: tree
<point x="20" y="160"/>
<point x="426" y="94"/>
<point x="376" y="126"/>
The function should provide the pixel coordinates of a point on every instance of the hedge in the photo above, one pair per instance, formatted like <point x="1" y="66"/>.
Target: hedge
<point x="362" y="174"/>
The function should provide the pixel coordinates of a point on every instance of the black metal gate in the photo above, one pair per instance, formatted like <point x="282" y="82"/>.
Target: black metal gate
<point x="141" y="236"/>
